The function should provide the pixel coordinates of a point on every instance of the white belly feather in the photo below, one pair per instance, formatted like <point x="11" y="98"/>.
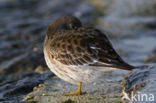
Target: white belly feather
<point x="80" y="74"/>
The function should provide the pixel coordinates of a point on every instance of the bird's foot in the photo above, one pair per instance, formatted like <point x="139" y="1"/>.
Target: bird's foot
<point x="79" y="92"/>
<point x="124" y="96"/>
<point x="123" y="91"/>
<point x="74" y="93"/>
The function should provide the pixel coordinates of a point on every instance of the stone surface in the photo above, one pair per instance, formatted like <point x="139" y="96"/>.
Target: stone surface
<point x="141" y="81"/>
<point x="97" y="92"/>
<point x="106" y="90"/>
<point x="14" y="87"/>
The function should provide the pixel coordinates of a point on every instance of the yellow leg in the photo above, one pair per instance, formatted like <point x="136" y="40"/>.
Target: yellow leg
<point x="122" y="92"/>
<point x="79" y="92"/>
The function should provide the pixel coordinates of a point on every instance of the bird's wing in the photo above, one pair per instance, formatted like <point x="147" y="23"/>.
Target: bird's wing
<point x="86" y="46"/>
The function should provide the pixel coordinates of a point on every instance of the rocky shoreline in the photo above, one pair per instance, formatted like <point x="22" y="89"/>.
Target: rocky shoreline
<point x="22" y="30"/>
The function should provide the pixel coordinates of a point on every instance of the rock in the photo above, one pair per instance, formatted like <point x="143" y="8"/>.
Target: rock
<point x="13" y="90"/>
<point x="5" y="65"/>
<point x="139" y="82"/>
<point x="97" y="92"/>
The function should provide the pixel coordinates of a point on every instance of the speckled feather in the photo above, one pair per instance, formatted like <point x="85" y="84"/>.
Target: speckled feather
<point x="78" y="54"/>
<point x="85" y="46"/>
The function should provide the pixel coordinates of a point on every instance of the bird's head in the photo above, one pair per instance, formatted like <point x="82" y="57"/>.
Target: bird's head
<point x="63" y="24"/>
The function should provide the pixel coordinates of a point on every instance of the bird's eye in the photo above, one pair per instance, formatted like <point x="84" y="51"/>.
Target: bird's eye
<point x="72" y="26"/>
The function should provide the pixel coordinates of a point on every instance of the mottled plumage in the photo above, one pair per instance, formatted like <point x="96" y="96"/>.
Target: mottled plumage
<point x="76" y="53"/>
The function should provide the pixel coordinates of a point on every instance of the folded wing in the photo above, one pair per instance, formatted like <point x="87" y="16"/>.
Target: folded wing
<point x="86" y="46"/>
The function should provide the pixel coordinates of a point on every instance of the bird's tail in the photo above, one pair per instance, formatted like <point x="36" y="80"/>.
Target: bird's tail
<point x="125" y="66"/>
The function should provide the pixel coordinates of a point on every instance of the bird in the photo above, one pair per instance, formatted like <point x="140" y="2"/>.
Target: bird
<point x="77" y="54"/>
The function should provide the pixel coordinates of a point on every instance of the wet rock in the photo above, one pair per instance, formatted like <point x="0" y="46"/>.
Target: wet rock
<point x="4" y="67"/>
<point x="151" y="25"/>
<point x="140" y="81"/>
<point x="17" y="86"/>
<point x="26" y="62"/>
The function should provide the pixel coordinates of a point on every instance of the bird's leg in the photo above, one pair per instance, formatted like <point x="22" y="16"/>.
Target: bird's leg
<point x="79" y="92"/>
